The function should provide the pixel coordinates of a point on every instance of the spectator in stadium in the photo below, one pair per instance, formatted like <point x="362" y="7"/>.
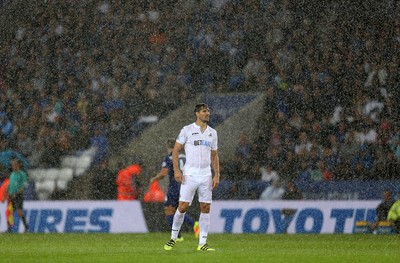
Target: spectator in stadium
<point x="24" y="143"/>
<point x="91" y="61"/>
<point x="321" y="172"/>
<point x="274" y="191"/>
<point x="383" y="209"/>
<point x="268" y="173"/>
<point x="174" y="187"/>
<point x="6" y="126"/>
<point x="16" y="187"/>
<point x="100" y="142"/>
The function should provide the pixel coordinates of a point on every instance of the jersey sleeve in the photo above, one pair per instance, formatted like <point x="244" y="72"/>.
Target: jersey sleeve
<point x="182" y="137"/>
<point x="214" y="144"/>
<point x="165" y="163"/>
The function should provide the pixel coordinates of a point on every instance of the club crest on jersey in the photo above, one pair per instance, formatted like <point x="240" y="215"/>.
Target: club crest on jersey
<point x="202" y="143"/>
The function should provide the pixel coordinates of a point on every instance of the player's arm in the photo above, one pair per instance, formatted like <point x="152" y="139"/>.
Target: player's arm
<point x="215" y="165"/>
<point x="163" y="172"/>
<point x="175" y="161"/>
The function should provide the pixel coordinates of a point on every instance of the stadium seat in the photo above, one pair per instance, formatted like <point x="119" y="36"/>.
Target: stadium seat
<point x="65" y="174"/>
<point x="68" y="161"/>
<point x="82" y="164"/>
<point x="37" y="174"/>
<point x="51" y="174"/>
<point x="62" y="184"/>
<point x="44" y="188"/>
<point x="79" y="163"/>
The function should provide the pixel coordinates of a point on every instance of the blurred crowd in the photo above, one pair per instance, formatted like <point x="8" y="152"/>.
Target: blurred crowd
<point x="76" y="76"/>
<point x="332" y="83"/>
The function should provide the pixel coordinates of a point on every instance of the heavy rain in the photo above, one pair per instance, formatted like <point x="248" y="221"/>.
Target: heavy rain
<point x="304" y="96"/>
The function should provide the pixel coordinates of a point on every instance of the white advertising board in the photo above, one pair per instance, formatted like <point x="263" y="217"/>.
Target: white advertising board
<point x="80" y="216"/>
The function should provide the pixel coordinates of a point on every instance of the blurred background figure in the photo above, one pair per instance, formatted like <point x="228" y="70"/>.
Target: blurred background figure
<point x="394" y="215"/>
<point x="128" y="182"/>
<point x="274" y="191"/>
<point x="16" y="187"/>
<point x="382" y="209"/>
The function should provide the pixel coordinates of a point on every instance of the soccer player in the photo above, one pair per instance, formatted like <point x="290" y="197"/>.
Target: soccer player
<point x="16" y="187"/>
<point x="200" y="142"/>
<point x="173" y="189"/>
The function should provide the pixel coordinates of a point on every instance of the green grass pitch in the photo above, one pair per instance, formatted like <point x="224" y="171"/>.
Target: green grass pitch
<point x="230" y="248"/>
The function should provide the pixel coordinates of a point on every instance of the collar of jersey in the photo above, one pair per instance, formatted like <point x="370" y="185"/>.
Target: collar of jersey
<point x="199" y="127"/>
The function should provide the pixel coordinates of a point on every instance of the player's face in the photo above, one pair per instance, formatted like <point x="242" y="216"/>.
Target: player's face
<point x="204" y="115"/>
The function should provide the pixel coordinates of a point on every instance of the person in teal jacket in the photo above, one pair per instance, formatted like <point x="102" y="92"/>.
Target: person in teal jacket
<point x="16" y="187"/>
<point x="394" y="215"/>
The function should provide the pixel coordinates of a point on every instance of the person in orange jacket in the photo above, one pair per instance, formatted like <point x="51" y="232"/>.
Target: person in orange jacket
<point x="9" y="209"/>
<point x="155" y="194"/>
<point x="128" y="182"/>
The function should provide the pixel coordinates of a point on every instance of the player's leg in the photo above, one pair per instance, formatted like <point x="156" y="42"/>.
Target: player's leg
<point x="176" y="225"/>
<point x="170" y="208"/>
<point x="17" y="204"/>
<point x="169" y="212"/>
<point x="187" y="192"/>
<point x="205" y="199"/>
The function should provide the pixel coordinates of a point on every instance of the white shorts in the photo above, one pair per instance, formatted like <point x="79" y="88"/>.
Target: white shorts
<point x="203" y="185"/>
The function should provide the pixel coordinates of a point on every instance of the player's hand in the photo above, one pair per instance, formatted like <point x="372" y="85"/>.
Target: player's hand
<point x="178" y="176"/>
<point x="215" y="182"/>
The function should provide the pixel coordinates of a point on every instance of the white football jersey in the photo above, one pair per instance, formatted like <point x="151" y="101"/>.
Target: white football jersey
<point x="198" y="148"/>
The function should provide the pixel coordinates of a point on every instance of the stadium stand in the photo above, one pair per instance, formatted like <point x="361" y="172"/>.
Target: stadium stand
<point x="326" y="84"/>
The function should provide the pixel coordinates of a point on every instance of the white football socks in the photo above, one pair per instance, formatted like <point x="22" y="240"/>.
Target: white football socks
<point x="204" y="222"/>
<point x="177" y="224"/>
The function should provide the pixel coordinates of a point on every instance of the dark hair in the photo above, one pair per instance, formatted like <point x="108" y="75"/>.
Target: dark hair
<point x="200" y="106"/>
<point x="171" y="143"/>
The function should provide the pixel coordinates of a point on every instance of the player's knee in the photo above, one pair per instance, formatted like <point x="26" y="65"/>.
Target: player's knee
<point x="169" y="210"/>
<point x="205" y="207"/>
<point x="183" y="206"/>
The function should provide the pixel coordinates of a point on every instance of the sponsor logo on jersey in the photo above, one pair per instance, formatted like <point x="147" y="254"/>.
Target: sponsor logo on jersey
<point x="202" y="143"/>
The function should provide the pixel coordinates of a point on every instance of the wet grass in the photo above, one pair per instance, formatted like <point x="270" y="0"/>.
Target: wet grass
<point x="230" y="248"/>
